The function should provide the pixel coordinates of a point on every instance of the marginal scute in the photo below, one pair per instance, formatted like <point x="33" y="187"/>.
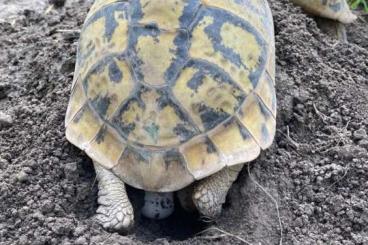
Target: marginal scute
<point x="131" y="165"/>
<point x="77" y="100"/>
<point x="258" y="120"/>
<point x="164" y="170"/>
<point x="266" y="92"/>
<point x="107" y="147"/>
<point x="84" y="127"/>
<point x="153" y="171"/>
<point x="201" y="157"/>
<point x="235" y="143"/>
<point x="270" y="67"/>
<point x="109" y="85"/>
<point x="106" y="32"/>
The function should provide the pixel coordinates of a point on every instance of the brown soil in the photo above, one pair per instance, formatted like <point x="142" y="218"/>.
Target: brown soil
<point x="316" y="170"/>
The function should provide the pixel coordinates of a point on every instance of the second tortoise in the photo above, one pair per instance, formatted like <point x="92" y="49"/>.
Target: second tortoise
<point x="332" y="15"/>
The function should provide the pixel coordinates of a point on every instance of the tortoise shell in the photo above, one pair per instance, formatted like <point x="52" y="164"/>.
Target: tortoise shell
<point x="167" y="92"/>
<point x="332" y="9"/>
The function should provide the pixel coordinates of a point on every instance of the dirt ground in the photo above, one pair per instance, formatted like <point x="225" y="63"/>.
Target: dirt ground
<point x="316" y="171"/>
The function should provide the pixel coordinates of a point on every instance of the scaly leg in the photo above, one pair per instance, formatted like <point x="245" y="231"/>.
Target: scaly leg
<point x="209" y="194"/>
<point x="115" y="211"/>
<point x="185" y="197"/>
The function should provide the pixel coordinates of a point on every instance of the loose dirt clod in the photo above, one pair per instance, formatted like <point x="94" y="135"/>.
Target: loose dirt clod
<point x="5" y="120"/>
<point x="360" y="134"/>
<point x="320" y="185"/>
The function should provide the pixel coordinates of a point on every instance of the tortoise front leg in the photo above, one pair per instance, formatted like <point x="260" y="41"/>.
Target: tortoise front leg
<point x="115" y="211"/>
<point x="209" y="194"/>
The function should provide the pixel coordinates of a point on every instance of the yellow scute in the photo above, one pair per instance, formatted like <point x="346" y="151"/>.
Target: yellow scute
<point x="202" y="48"/>
<point x="243" y="11"/>
<point x="107" y="148"/>
<point x="243" y="43"/>
<point x="77" y="99"/>
<point x="218" y="95"/>
<point x="99" y="84"/>
<point x="83" y="128"/>
<point x="266" y="92"/>
<point x="165" y="13"/>
<point x="93" y="44"/>
<point x="258" y="120"/>
<point x="201" y="161"/>
<point x="236" y="146"/>
<point x="156" y="54"/>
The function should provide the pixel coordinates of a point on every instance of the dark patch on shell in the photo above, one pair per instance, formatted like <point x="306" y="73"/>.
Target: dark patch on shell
<point x="182" y="42"/>
<point x="183" y="132"/>
<point x="126" y="129"/>
<point x="101" y="104"/>
<point x="138" y="156"/>
<point x="210" y="146"/>
<point x="196" y="81"/>
<point x="243" y="132"/>
<point x="173" y="156"/>
<point x="153" y="131"/>
<point x="211" y="117"/>
<point x="101" y="135"/>
<point x="115" y="74"/>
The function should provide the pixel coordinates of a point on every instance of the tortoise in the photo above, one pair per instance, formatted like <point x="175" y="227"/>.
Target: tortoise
<point x="335" y="14"/>
<point x="172" y="95"/>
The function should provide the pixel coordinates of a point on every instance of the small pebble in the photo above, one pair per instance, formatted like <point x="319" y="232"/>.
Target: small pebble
<point x="27" y="170"/>
<point x="67" y="66"/>
<point x="79" y="230"/>
<point x="47" y="207"/>
<point x="363" y="143"/>
<point x="360" y="134"/>
<point x="5" y="120"/>
<point x="81" y="241"/>
<point x="22" y="176"/>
